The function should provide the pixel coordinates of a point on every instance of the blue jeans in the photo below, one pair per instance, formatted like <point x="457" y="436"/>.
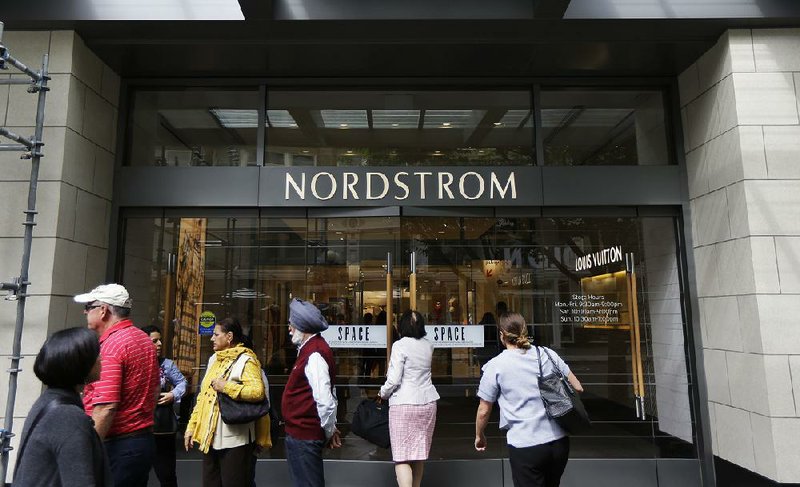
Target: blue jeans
<point x="131" y="458"/>
<point x="305" y="462"/>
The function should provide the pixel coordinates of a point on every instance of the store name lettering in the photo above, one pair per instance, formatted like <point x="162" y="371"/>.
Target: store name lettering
<point x="470" y="185"/>
<point x="449" y="333"/>
<point x="354" y="333"/>
<point x="599" y="258"/>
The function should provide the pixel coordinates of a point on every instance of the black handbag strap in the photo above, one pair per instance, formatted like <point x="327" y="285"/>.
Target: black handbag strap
<point x="227" y="372"/>
<point x="558" y="372"/>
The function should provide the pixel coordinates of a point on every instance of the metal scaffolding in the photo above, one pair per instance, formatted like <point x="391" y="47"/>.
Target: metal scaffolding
<point x="17" y="288"/>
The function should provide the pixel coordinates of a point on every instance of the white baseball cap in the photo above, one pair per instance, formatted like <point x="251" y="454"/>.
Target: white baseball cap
<point x="113" y="294"/>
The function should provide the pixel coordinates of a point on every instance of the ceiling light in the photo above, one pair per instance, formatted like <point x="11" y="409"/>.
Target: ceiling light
<point x="305" y="151"/>
<point x="343" y="125"/>
<point x="497" y="124"/>
<point x="280" y="119"/>
<point x="445" y="124"/>
<point x="395" y="125"/>
<point x="235" y="118"/>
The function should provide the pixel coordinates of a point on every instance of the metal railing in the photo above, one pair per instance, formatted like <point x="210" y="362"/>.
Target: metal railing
<point x="17" y="288"/>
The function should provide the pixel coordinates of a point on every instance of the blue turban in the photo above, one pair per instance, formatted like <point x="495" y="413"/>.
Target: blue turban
<point x="306" y="317"/>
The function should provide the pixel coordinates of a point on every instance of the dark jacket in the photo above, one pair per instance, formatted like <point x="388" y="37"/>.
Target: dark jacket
<point x="63" y="449"/>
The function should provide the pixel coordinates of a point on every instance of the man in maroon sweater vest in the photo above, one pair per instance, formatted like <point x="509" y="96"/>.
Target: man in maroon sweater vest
<point x="309" y="402"/>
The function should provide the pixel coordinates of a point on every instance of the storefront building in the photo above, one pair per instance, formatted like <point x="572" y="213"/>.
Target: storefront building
<point x="625" y="176"/>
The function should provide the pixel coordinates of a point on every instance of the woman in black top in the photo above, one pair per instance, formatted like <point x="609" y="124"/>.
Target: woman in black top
<point x="59" y="446"/>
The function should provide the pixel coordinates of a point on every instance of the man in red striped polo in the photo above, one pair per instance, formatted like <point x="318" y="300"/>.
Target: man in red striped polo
<point x="123" y="400"/>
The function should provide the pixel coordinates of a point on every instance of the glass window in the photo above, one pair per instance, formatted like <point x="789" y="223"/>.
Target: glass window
<point x="603" y="292"/>
<point x="399" y="128"/>
<point x="193" y="127"/>
<point x="603" y="127"/>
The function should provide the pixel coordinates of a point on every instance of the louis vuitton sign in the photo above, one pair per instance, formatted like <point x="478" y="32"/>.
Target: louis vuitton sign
<point x="379" y="186"/>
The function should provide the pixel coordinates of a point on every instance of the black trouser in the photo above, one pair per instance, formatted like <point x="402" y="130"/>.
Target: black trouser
<point x="164" y="463"/>
<point x="131" y="457"/>
<point x="539" y="465"/>
<point x="231" y="467"/>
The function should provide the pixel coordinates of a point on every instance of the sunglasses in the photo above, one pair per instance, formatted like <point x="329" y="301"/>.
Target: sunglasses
<point x="88" y="306"/>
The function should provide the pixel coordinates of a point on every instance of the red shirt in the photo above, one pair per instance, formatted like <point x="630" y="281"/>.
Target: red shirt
<point x="129" y="377"/>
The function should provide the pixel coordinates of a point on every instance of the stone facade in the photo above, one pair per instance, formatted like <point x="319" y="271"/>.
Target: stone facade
<point x="740" y="105"/>
<point x="70" y="245"/>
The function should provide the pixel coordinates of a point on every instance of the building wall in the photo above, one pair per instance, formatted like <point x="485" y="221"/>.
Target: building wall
<point x="70" y="246"/>
<point x="740" y="104"/>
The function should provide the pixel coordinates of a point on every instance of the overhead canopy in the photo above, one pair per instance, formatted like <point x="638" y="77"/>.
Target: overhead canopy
<point x="417" y="39"/>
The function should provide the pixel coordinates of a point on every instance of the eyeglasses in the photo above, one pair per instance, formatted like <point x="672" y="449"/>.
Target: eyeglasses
<point x="89" y="306"/>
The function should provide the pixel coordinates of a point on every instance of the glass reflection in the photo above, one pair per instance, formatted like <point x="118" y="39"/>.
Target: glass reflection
<point x="193" y="127"/>
<point x="468" y="271"/>
<point x="597" y="127"/>
<point x="399" y="128"/>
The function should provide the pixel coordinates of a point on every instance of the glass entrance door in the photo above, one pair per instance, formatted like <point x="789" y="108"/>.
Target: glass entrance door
<point x="603" y="292"/>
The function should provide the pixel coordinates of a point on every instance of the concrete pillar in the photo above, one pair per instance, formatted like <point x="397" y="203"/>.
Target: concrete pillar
<point x="742" y="139"/>
<point x="70" y="246"/>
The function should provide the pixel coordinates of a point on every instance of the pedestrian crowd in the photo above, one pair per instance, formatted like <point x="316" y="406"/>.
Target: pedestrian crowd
<point x="107" y="415"/>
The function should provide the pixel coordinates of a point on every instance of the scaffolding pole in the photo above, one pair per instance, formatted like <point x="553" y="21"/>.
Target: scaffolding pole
<point x="18" y="287"/>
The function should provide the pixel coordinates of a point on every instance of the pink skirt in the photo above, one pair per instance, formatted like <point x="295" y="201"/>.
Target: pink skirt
<point x="411" y="431"/>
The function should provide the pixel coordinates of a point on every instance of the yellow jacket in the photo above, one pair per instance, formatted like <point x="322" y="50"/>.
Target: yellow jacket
<point x="203" y="422"/>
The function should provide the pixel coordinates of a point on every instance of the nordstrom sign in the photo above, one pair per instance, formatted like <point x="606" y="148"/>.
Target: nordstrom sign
<point x="404" y="186"/>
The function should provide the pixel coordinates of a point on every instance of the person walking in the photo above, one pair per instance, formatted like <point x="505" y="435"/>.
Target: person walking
<point x="228" y="449"/>
<point x="538" y="447"/>
<point x="412" y="399"/>
<point x="59" y="446"/>
<point x="172" y="387"/>
<point x="123" y="400"/>
<point x="309" y="402"/>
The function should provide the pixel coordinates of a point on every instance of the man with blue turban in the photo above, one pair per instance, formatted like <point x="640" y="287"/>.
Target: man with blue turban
<point x="309" y="399"/>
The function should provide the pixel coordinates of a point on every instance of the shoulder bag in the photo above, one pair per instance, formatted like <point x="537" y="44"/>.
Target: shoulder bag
<point x="241" y="412"/>
<point x="561" y="401"/>
<point x="371" y="422"/>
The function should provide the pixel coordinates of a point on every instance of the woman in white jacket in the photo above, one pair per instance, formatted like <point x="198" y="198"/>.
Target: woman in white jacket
<point x="412" y="399"/>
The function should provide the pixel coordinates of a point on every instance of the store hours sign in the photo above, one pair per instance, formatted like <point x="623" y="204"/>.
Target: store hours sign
<point x="400" y="186"/>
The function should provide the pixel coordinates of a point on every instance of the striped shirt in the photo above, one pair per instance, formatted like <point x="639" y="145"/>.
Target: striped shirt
<point x="129" y="377"/>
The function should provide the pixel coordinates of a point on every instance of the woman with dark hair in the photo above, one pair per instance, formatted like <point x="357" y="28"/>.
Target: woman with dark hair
<point x="412" y="399"/>
<point x="538" y="447"/>
<point x="173" y="387"/>
<point x="228" y="449"/>
<point x="58" y="445"/>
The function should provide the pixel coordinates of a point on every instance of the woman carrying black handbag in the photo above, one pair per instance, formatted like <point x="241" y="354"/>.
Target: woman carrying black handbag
<point x="538" y="446"/>
<point x="233" y="370"/>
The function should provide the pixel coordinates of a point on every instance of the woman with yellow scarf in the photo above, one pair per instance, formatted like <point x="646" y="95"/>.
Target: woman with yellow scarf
<point x="228" y="449"/>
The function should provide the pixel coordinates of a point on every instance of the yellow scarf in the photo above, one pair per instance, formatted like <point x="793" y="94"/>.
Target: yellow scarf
<point x="203" y="422"/>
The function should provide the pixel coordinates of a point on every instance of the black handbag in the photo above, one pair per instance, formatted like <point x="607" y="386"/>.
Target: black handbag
<point x="166" y="423"/>
<point x="241" y="412"/>
<point x="371" y="422"/>
<point x="561" y="401"/>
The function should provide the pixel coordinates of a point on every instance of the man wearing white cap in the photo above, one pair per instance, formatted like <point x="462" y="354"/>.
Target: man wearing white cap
<point x="123" y="400"/>
<point x="309" y="402"/>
